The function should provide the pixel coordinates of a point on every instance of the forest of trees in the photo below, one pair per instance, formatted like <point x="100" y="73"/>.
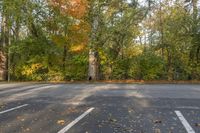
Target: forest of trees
<point x="64" y="40"/>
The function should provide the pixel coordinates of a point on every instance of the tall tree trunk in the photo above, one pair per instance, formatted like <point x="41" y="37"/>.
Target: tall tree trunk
<point x="93" y="72"/>
<point x="94" y="65"/>
<point x="169" y="65"/>
<point x="64" y="57"/>
<point x="3" y="55"/>
<point x="161" y="31"/>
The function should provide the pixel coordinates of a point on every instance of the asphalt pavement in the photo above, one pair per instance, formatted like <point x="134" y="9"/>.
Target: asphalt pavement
<point x="99" y="108"/>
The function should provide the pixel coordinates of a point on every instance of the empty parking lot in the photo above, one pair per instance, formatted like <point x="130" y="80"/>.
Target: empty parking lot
<point x="99" y="108"/>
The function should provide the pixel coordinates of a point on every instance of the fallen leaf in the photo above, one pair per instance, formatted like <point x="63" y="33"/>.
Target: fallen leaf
<point x="100" y="125"/>
<point x="27" y="129"/>
<point x="112" y="120"/>
<point x="197" y="124"/>
<point x="157" y="130"/>
<point x="157" y="121"/>
<point x="61" y="122"/>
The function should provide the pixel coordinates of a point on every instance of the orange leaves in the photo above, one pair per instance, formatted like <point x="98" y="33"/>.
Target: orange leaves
<point x="77" y="35"/>
<point x="74" y="8"/>
<point x="78" y="8"/>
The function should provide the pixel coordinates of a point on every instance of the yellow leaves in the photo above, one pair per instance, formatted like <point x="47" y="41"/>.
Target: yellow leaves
<point x="134" y="51"/>
<point x="29" y="70"/>
<point x="75" y="27"/>
<point x="81" y="27"/>
<point x="77" y="37"/>
<point x="60" y="122"/>
<point x="77" y="47"/>
<point x="76" y="42"/>
<point x="55" y="76"/>
<point x="104" y="57"/>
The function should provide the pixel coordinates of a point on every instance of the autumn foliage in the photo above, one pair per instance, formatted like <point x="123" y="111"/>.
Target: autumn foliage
<point x="75" y="8"/>
<point x="78" y="29"/>
<point x="132" y="39"/>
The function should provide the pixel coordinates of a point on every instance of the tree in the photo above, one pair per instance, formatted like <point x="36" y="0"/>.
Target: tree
<point x="99" y="39"/>
<point x="94" y="12"/>
<point x="5" y="39"/>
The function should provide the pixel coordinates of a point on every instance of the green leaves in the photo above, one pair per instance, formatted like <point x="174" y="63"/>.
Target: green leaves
<point x="152" y="40"/>
<point x="147" y="66"/>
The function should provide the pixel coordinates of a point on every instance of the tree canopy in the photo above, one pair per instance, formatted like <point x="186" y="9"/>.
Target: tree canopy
<point x="56" y="40"/>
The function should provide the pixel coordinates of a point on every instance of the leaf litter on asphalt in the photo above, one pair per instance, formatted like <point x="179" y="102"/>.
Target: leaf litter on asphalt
<point x="60" y="122"/>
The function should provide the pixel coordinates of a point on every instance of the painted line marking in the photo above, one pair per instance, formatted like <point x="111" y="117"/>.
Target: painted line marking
<point x="184" y="122"/>
<point x="70" y="125"/>
<point x="18" y="107"/>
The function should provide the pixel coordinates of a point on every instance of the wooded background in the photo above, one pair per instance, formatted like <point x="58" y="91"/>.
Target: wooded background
<point x="60" y="40"/>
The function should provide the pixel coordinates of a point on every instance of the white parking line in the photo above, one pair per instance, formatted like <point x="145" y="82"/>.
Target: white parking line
<point x="184" y="122"/>
<point x="65" y="129"/>
<point x="13" y="109"/>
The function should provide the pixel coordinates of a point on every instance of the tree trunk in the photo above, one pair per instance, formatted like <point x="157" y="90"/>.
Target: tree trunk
<point x="169" y="65"/>
<point x="161" y="31"/>
<point x="94" y="65"/>
<point x="64" y="57"/>
<point x="3" y="55"/>
<point x="3" y="66"/>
